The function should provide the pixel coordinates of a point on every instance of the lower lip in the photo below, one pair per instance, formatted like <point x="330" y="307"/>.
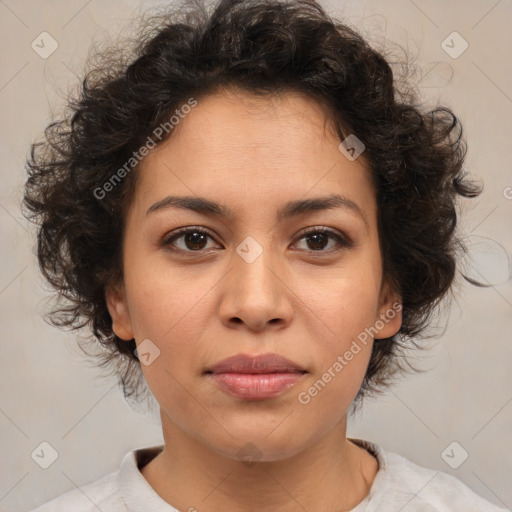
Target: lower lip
<point x="255" y="386"/>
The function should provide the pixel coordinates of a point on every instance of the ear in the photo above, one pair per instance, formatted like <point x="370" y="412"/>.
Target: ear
<point x="117" y="305"/>
<point x="389" y="316"/>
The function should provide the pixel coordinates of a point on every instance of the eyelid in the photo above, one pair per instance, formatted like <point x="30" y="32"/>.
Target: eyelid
<point x="321" y="229"/>
<point x="183" y="231"/>
<point x="344" y="241"/>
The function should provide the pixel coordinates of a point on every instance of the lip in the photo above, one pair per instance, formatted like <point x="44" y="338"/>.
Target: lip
<point x="255" y="377"/>
<point x="261" y="363"/>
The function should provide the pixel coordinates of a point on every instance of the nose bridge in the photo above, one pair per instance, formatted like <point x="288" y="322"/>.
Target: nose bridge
<point x="255" y="292"/>
<point x="255" y="263"/>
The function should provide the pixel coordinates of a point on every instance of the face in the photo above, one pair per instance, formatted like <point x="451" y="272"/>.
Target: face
<point x="302" y="283"/>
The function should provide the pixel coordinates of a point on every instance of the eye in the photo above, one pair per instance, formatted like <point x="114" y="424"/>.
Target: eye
<point x="194" y="239"/>
<point x="318" y="238"/>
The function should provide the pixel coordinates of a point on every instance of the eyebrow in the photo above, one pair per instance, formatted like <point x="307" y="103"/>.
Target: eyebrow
<point x="206" y="206"/>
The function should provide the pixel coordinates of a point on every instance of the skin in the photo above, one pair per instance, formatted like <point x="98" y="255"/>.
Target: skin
<point x="300" y="301"/>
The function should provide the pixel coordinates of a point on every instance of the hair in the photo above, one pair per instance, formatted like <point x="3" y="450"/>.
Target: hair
<point x="265" y="47"/>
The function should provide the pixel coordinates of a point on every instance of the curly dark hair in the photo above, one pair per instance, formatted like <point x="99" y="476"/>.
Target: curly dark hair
<point x="415" y="156"/>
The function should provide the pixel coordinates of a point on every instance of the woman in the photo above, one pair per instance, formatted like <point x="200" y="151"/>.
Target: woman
<point x="255" y="221"/>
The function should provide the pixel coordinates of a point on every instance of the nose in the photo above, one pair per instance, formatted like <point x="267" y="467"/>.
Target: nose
<point x="256" y="293"/>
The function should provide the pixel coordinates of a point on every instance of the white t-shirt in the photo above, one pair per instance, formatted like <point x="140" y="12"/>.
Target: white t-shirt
<point x="399" y="485"/>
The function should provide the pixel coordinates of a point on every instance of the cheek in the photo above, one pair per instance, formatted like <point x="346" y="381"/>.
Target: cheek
<point x="165" y="302"/>
<point x="173" y="325"/>
<point x="347" y="309"/>
<point x="342" y="305"/>
<point x="170" y="312"/>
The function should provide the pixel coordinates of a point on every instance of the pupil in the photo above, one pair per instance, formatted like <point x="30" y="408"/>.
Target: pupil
<point x="194" y="238"/>
<point x="315" y="237"/>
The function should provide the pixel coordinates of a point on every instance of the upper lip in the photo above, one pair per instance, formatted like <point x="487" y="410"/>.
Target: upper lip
<point x="263" y="363"/>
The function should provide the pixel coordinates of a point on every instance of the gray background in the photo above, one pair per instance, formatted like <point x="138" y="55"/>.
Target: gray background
<point x="50" y="394"/>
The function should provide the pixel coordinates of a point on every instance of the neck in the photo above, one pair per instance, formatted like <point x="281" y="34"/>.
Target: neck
<point x="330" y="474"/>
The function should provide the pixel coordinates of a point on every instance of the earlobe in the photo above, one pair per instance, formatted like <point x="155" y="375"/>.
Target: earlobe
<point x="389" y="318"/>
<point x="117" y="305"/>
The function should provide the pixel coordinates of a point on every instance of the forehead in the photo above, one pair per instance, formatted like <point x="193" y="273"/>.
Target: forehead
<point x="238" y="146"/>
<point x="234" y="118"/>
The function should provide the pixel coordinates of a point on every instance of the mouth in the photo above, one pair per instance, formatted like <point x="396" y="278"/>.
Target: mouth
<point x="257" y="377"/>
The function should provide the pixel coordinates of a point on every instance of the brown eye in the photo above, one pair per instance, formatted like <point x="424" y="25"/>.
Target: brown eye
<point x="193" y="240"/>
<point x="318" y="239"/>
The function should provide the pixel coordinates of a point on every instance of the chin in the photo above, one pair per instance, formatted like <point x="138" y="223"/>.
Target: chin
<point x="254" y="444"/>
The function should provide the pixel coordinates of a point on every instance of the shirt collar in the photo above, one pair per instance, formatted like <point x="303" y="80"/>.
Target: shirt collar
<point x="135" y="490"/>
<point x="139" y="496"/>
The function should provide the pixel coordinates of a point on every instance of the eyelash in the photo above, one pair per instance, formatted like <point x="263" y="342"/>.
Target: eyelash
<point x="344" y="242"/>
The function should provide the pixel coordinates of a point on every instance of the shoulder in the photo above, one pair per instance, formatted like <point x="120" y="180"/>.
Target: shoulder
<point x="123" y="490"/>
<point x="401" y="484"/>
<point x="427" y="490"/>
<point x="102" y="494"/>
